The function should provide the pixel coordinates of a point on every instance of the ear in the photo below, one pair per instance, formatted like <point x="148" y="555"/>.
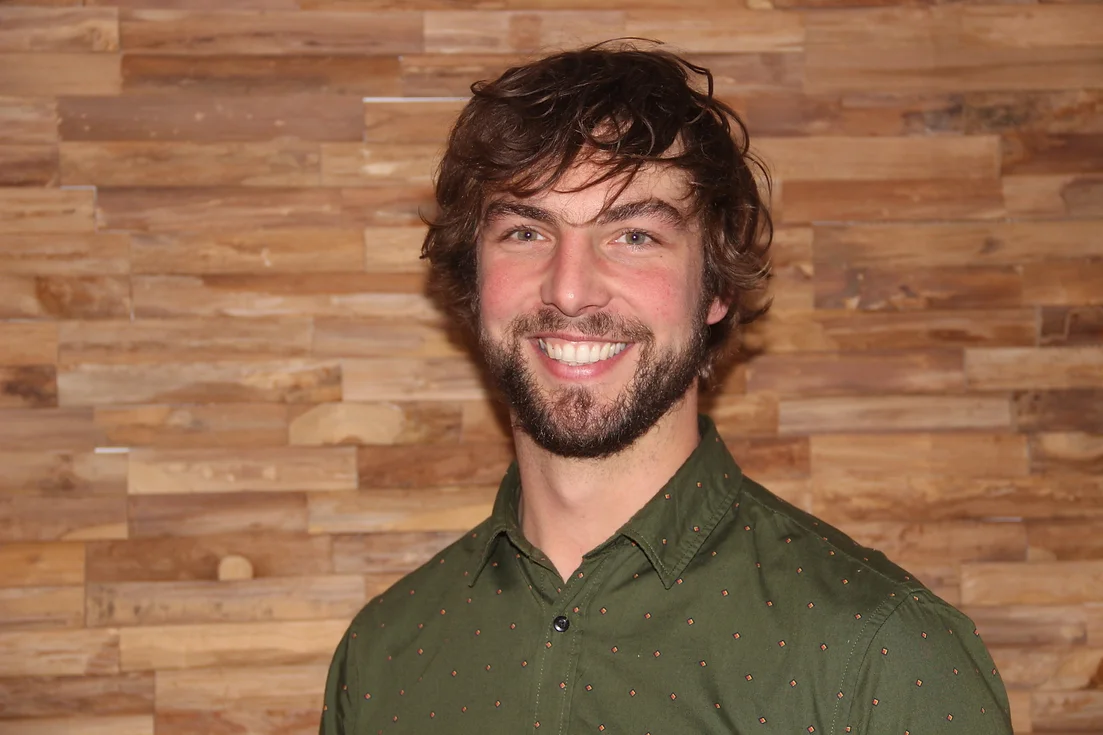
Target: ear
<point x="717" y="311"/>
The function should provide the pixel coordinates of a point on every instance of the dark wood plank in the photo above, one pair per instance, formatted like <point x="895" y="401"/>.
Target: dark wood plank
<point x="196" y="557"/>
<point x="64" y="297"/>
<point x="28" y="386"/>
<point x="188" y="32"/>
<point x="199" y="118"/>
<point x="196" y="425"/>
<point x="265" y="76"/>
<point x="54" y="696"/>
<point x="1059" y="410"/>
<point x="857" y="373"/>
<point x="877" y="289"/>
<point x="227" y="513"/>
<point x="1071" y="325"/>
<point x="221" y="209"/>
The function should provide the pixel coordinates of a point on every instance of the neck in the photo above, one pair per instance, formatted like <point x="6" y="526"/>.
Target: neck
<point x="569" y="506"/>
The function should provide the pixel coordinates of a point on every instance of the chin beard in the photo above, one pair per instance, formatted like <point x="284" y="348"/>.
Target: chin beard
<point x="572" y="421"/>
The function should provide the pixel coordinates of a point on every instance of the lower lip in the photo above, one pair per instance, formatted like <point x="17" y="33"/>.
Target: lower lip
<point x="590" y="370"/>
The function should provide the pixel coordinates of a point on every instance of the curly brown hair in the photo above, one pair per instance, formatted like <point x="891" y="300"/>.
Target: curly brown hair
<point x="622" y="107"/>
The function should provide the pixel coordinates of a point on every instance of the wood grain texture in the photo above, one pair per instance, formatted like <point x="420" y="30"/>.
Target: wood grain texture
<point x="218" y="348"/>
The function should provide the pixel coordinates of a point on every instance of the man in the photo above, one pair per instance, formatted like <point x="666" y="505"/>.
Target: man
<point x="601" y="231"/>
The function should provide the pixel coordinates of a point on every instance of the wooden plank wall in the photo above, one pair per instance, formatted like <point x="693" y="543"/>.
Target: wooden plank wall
<point x="229" y="415"/>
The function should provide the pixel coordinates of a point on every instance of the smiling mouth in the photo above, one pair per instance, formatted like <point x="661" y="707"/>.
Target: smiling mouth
<point x="575" y="354"/>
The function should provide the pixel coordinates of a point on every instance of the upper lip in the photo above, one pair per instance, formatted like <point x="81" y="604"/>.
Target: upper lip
<point x="575" y="337"/>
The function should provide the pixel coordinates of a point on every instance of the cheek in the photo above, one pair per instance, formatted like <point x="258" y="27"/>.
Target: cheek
<point x="662" y="295"/>
<point x="500" y="291"/>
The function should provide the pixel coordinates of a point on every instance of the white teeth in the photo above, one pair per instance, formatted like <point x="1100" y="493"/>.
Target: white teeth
<point x="581" y="354"/>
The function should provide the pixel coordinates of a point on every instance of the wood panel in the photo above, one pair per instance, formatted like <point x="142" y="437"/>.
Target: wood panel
<point x="230" y="412"/>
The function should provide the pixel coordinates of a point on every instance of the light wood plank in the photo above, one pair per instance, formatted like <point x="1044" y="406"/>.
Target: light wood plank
<point x="59" y="652"/>
<point x="182" y="340"/>
<point x="720" y="31"/>
<point x="239" y="601"/>
<point x="29" y="608"/>
<point x="860" y="414"/>
<point x="275" y="687"/>
<point x="385" y="338"/>
<point x="1038" y="369"/>
<point x="410" y="120"/>
<point x="451" y="509"/>
<point x="963" y="454"/>
<point x="27" y="343"/>
<point x="32" y="471"/>
<point x="219" y="209"/>
<point x="1068" y="451"/>
<point x="49" y="74"/>
<point x="25" y="29"/>
<point x="430" y="379"/>
<point x="296" y="251"/>
<point x="236" y="644"/>
<point x="66" y="516"/>
<point x="39" y="565"/>
<point x="45" y="210"/>
<point x="288" y="381"/>
<point x="68" y="254"/>
<point x="376" y="423"/>
<point x="941" y="542"/>
<point x="172" y="471"/>
<point x="279" y="163"/>
<point x="936" y="495"/>
<point x="1061" y="410"/>
<point x="1077" y="711"/>
<point x="424" y="466"/>
<point x="1037" y="583"/>
<point x="400" y="552"/>
<point x="359" y="164"/>
<point x="48" y="428"/>
<point x="28" y="120"/>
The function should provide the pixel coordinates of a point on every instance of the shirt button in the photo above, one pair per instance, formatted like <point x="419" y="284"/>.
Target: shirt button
<point x="561" y="624"/>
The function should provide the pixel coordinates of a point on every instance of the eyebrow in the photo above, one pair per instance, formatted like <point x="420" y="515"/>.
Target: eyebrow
<point x="643" y="208"/>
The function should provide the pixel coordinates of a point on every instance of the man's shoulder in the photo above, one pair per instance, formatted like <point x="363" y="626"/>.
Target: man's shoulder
<point x="442" y="577"/>
<point x="850" y="574"/>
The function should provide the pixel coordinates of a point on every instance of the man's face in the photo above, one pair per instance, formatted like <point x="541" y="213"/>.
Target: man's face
<point x="591" y="313"/>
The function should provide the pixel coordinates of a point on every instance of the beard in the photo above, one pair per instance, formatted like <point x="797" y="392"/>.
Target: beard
<point x="572" y="421"/>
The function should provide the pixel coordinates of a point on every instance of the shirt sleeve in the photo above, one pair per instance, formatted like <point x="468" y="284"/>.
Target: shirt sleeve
<point x="927" y="672"/>
<point x="336" y="708"/>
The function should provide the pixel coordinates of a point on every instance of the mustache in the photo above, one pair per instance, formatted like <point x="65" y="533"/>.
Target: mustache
<point x="600" y="324"/>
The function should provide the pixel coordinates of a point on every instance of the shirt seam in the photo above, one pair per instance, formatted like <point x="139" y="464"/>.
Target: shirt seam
<point x="897" y="585"/>
<point x="865" y="655"/>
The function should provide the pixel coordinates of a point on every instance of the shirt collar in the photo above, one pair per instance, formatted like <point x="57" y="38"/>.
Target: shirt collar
<point x="670" y="528"/>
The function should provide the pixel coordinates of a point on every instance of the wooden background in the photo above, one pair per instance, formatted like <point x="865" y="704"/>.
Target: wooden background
<point x="229" y="415"/>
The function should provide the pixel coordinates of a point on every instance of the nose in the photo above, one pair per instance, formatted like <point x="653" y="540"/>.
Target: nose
<point x="573" y="282"/>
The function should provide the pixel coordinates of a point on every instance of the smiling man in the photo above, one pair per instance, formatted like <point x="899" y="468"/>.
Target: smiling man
<point x="601" y="232"/>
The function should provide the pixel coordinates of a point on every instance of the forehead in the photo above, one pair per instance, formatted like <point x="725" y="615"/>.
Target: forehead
<point x="579" y="199"/>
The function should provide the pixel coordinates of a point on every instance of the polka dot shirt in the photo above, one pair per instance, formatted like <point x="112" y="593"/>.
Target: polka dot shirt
<point x="718" y="608"/>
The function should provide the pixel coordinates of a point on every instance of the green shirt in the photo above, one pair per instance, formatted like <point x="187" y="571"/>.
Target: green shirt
<point x="718" y="608"/>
